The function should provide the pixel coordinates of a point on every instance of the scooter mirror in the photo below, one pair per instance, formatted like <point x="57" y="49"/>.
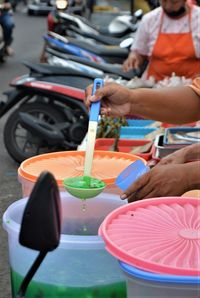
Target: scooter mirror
<point x="138" y="13"/>
<point x="126" y="43"/>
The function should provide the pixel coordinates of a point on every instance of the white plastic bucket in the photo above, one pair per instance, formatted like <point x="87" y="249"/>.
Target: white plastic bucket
<point x="143" y="284"/>
<point x="80" y="267"/>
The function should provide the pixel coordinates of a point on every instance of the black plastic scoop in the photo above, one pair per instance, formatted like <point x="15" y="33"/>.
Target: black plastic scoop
<point x="41" y="223"/>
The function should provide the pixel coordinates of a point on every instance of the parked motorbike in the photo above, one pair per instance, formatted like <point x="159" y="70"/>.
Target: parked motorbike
<point x="80" y="30"/>
<point x="57" y="58"/>
<point x="99" y="39"/>
<point x="119" y="27"/>
<point x="48" y="113"/>
<point x="91" y="52"/>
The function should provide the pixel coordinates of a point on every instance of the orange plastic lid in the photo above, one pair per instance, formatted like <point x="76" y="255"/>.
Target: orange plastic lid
<point x="106" y="165"/>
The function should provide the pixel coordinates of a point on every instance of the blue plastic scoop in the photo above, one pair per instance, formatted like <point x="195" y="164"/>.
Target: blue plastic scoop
<point x="130" y="174"/>
<point x="92" y="129"/>
<point x="86" y="187"/>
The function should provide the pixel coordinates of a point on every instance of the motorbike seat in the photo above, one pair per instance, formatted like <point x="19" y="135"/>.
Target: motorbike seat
<point x="100" y="29"/>
<point x="49" y="70"/>
<point x="109" y="40"/>
<point x="113" y="51"/>
<point x="107" y="68"/>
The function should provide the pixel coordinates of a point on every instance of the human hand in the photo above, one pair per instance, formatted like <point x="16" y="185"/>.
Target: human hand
<point x="7" y="5"/>
<point x="177" y="157"/>
<point x="114" y="99"/>
<point x="161" y="181"/>
<point x="133" y="61"/>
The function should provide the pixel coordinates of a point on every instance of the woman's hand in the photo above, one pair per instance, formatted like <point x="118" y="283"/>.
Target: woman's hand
<point x="161" y="181"/>
<point x="115" y="99"/>
<point x="134" y="60"/>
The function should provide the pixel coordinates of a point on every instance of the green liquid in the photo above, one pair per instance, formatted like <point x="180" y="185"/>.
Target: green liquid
<point x="84" y="182"/>
<point x="44" y="290"/>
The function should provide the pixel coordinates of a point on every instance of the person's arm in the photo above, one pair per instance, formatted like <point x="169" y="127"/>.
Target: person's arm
<point x="172" y="105"/>
<point x="166" y="180"/>
<point x="139" y="49"/>
<point x="176" y="105"/>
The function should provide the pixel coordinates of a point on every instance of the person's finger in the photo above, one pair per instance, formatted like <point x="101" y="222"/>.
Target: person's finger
<point x="141" y="182"/>
<point x="88" y="94"/>
<point x="89" y="98"/>
<point x="136" y="64"/>
<point x="128" y="65"/>
<point x="140" y="194"/>
<point x="106" y="111"/>
<point x="165" y="162"/>
<point x="88" y="90"/>
<point x="152" y="194"/>
<point x="102" y="91"/>
<point x="124" y="66"/>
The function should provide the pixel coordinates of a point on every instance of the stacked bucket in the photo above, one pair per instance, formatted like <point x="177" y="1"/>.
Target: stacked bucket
<point x="152" y="246"/>
<point x="157" y="244"/>
<point x="80" y="266"/>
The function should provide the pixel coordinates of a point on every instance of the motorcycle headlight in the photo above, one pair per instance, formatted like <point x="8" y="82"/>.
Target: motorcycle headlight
<point x="61" y="4"/>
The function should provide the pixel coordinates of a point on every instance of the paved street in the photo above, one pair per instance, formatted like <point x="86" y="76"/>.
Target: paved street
<point x="27" y="44"/>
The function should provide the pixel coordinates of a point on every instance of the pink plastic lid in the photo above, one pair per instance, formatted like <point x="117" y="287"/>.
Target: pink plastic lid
<point x="160" y="235"/>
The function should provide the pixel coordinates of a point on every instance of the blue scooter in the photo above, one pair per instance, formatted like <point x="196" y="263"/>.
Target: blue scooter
<point x="91" y="52"/>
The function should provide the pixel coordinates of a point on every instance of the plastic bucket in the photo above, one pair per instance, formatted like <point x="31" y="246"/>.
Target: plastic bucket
<point x="157" y="243"/>
<point x="106" y="167"/>
<point x="80" y="266"/>
<point x="146" y="284"/>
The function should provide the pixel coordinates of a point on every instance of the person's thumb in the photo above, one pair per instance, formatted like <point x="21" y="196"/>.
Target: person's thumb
<point x="125" y="65"/>
<point x="136" y="64"/>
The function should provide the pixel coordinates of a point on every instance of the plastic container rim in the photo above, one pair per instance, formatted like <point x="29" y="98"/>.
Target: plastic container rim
<point x="146" y="275"/>
<point x="117" y="251"/>
<point x="23" y="173"/>
<point x="11" y="226"/>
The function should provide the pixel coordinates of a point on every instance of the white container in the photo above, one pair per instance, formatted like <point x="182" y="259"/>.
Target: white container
<point x="80" y="267"/>
<point x="161" y="150"/>
<point x="143" y="284"/>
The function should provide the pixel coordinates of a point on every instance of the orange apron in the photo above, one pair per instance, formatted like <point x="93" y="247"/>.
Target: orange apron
<point x="173" y="52"/>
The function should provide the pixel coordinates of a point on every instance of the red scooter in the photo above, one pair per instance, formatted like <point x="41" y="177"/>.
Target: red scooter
<point x="48" y="113"/>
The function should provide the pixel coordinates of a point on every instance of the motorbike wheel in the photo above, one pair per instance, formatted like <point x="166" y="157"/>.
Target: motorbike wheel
<point x="19" y="142"/>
